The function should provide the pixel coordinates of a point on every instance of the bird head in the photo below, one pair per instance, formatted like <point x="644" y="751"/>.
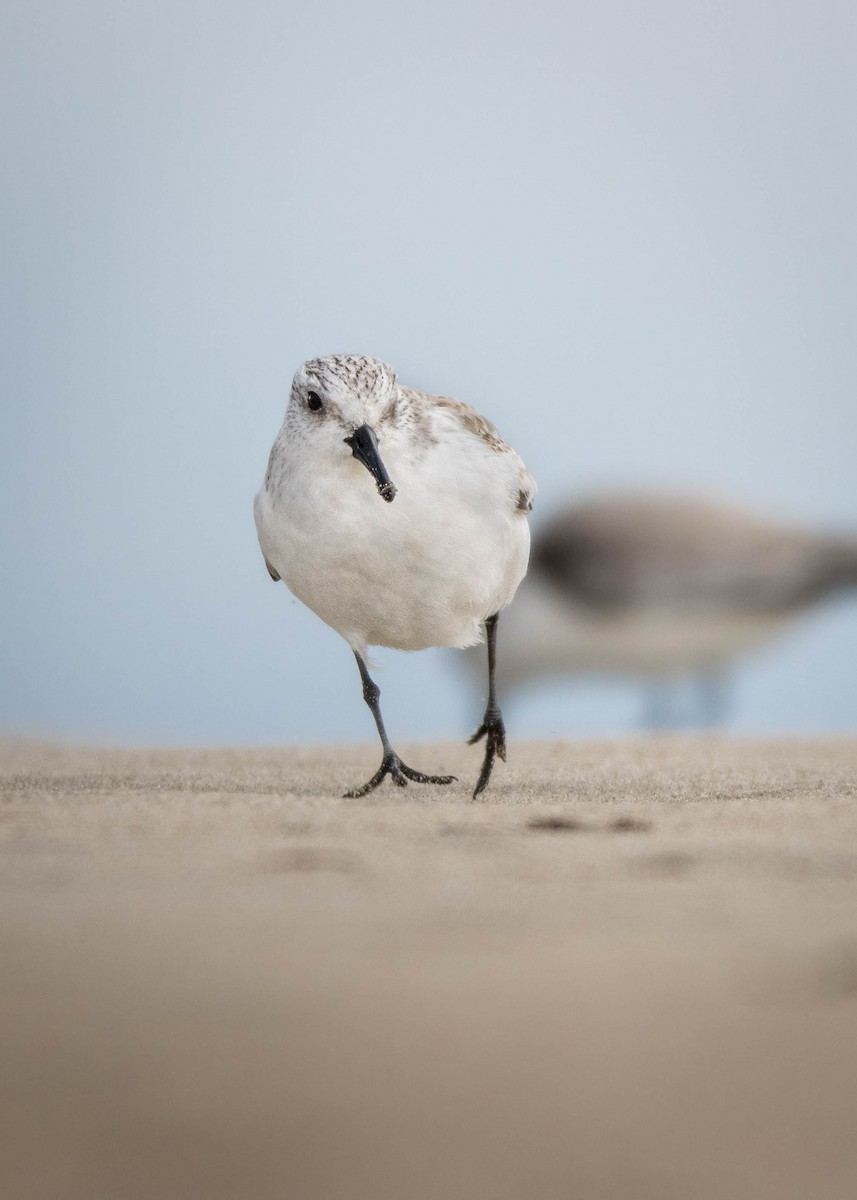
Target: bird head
<point x="345" y="399"/>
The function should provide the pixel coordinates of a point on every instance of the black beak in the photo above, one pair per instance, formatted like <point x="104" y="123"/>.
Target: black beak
<point x="364" y="447"/>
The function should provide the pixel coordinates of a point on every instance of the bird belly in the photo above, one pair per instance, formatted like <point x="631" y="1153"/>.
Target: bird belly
<point x="425" y="570"/>
<point x="545" y="635"/>
<point x="670" y="643"/>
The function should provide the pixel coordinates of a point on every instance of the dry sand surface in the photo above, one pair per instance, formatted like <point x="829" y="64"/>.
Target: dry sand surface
<point x="630" y="972"/>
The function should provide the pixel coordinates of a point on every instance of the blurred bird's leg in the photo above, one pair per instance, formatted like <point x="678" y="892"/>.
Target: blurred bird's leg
<point x="714" y="698"/>
<point x="492" y="727"/>
<point x="658" y="713"/>
<point x="391" y="764"/>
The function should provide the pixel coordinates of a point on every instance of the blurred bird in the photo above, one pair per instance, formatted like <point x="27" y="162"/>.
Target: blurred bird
<point x="661" y="589"/>
<point x="427" y="560"/>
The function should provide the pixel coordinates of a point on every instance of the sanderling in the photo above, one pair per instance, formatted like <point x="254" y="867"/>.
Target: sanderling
<point x="430" y="567"/>
<point x="661" y="588"/>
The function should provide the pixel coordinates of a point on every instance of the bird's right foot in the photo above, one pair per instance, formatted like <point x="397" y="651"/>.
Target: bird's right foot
<point x="400" y="773"/>
<point x="494" y="732"/>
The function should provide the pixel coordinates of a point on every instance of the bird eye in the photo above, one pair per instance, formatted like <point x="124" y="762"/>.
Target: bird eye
<point x="313" y="401"/>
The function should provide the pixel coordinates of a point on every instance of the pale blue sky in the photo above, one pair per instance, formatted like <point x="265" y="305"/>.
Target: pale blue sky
<point x="625" y="232"/>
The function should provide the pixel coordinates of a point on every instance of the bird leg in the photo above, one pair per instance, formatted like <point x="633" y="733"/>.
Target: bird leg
<point x="714" y="698"/>
<point x="391" y="764"/>
<point x="659" y="713"/>
<point x="492" y="727"/>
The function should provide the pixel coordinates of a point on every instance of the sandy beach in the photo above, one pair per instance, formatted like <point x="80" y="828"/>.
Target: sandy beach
<point x="629" y="972"/>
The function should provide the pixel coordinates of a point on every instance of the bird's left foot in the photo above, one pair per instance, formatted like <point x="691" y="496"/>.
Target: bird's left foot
<point x="494" y="732"/>
<point x="400" y="773"/>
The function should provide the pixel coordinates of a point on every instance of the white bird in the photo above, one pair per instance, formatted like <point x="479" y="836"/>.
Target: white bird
<point x="658" y="587"/>
<point x="427" y="560"/>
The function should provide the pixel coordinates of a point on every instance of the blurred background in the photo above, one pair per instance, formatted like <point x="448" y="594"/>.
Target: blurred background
<point x="625" y="233"/>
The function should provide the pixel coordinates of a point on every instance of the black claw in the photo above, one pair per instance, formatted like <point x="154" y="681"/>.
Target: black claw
<point x="400" y="773"/>
<point x="494" y="732"/>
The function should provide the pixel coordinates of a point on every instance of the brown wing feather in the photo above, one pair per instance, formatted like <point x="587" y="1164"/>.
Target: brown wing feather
<point x="683" y="552"/>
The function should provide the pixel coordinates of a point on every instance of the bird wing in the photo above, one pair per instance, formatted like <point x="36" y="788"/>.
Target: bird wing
<point x="682" y="552"/>
<point x="259" y="507"/>
<point x="468" y="419"/>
